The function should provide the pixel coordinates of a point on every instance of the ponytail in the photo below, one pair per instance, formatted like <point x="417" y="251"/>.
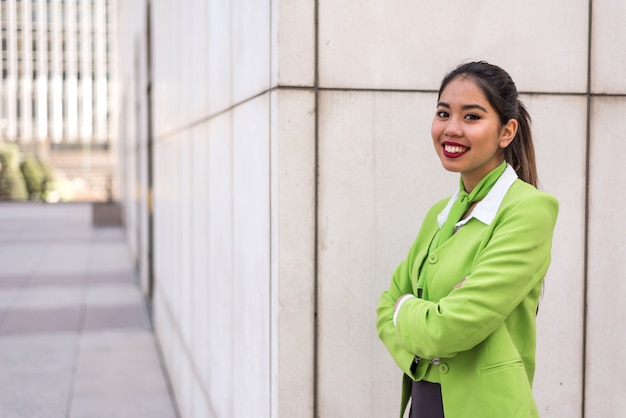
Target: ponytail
<point x="520" y="153"/>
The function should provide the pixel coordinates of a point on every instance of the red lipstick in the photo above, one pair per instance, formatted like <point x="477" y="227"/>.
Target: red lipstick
<point x="453" y="149"/>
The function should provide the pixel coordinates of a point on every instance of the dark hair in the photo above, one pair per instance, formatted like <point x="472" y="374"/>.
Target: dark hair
<point x="500" y="91"/>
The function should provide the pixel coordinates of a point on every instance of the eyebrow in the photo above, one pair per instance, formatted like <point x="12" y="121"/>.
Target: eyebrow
<point x="464" y="107"/>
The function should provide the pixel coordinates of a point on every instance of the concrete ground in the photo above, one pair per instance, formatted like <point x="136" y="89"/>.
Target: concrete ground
<point x="75" y="337"/>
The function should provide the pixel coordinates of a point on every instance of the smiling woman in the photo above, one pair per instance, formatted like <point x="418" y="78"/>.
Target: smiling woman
<point x="459" y="316"/>
<point x="466" y="125"/>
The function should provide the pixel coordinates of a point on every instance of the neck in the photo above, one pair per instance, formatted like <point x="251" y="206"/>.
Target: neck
<point x="471" y="180"/>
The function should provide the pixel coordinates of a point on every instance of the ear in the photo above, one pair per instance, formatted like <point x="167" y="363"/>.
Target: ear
<point x="507" y="134"/>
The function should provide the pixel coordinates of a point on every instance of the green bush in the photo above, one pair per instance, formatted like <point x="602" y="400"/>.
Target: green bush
<point x="34" y="177"/>
<point x="12" y="186"/>
<point x="48" y="180"/>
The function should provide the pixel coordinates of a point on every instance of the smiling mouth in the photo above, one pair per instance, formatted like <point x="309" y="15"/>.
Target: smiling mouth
<point x="454" y="150"/>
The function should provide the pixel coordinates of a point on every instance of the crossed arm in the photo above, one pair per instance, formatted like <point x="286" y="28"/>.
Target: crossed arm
<point x="506" y="270"/>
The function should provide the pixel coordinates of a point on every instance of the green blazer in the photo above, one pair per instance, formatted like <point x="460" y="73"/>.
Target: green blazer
<point x="484" y="332"/>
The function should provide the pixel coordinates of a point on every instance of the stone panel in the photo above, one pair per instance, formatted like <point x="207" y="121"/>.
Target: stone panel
<point x="293" y="252"/>
<point x="411" y="45"/>
<point x="560" y="149"/>
<point x="251" y="257"/>
<point x="608" y="41"/>
<point x="605" y="384"/>
<point x="378" y="175"/>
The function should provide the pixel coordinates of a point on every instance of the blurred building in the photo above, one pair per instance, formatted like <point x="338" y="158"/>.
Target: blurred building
<point x="56" y="89"/>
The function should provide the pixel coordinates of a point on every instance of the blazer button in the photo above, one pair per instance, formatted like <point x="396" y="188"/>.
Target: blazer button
<point x="432" y="259"/>
<point x="443" y="368"/>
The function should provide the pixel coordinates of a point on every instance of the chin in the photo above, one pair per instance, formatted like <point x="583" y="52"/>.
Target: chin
<point x="450" y="166"/>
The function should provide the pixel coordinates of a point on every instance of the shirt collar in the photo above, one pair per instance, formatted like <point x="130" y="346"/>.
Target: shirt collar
<point x="487" y="208"/>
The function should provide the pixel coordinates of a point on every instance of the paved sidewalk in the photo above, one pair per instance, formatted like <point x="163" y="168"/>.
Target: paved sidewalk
<point x="75" y="338"/>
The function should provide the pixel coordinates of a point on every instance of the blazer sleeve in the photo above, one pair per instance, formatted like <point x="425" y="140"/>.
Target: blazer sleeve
<point x="509" y="266"/>
<point x="401" y="285"/>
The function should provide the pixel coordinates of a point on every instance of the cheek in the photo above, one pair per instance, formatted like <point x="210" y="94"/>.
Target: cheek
<point x="436" y="129"/>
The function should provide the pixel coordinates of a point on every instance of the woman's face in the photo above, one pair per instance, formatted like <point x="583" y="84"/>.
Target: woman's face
<point x="467" y="133"/>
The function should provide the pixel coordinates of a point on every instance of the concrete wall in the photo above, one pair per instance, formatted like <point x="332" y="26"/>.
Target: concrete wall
<point x="293" y="165"/>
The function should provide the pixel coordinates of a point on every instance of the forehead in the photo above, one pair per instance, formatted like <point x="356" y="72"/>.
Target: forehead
<point x="463" y="90"/>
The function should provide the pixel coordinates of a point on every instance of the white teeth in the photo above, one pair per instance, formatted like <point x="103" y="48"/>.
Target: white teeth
<point x="454" y="149"/>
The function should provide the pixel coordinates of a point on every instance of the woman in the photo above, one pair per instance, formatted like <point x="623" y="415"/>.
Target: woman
<point x="459" y="316"/>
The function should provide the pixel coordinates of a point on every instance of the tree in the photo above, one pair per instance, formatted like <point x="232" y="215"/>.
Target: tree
<point x="33" y="177"/>
<point x="12" y="186"/>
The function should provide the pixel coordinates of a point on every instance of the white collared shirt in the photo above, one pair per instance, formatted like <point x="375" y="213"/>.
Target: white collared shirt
<point x="487" y="208"/>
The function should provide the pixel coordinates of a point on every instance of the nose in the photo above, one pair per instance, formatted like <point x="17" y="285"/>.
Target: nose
<point x="453" y="127"/>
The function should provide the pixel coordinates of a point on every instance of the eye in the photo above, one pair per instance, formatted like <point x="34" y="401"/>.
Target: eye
<point x="472" y="116"/>
<point x="442" y="114"/>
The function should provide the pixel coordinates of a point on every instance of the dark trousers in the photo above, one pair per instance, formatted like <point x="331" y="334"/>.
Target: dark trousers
<point x="426" y="400"/>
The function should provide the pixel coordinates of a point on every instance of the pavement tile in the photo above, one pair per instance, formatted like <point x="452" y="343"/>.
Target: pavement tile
<point x="44" y="235"/>
<point x="76" y="212"/>
<point x="38" y="353"/>
<point x="113" y="340"/>
<point x="68" y="279"/>
<point x="34" y="394"/>
<point x="37" y="230"/>
<point x="119" y="375"/>
<point x="7" y="297"/>
<point x="108" y="233"/>
<point x="123" y="361"/>
<point x="29" y="321"/>
<point x="13" y="281"/>
<point x="121" y="276"/>
<point x="111" y="317"/>
<point x="110" y="256"/>
<point x="42" y="297"/>
<point x="20" y="259"/>
<point x="66" y="258"/>
<point x="113" y="294"/>
<point x="120" y="405"/>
